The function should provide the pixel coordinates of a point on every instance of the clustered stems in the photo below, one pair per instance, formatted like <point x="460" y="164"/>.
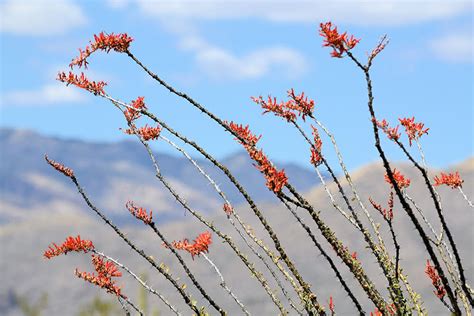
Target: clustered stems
<point x="399" y="193"/>
<point x="299" y="107"/>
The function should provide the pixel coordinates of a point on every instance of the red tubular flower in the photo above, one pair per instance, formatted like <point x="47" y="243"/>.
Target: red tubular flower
<point x="105" y="42"/>
<point x="302" y="105"/>
<point x="147" y="133"/>
<point x="392" y="133"/>
<point x="133" y="113"/>
<point x="331" y="305"/>
<point x="68" y="172"/>
<point x="245" y="133"/>
<point x="200" y="245"/>
<point x="298" y="105"/>
<point x="316" y="157"/>
<point x="81" y="81"/>
<point x="276" y="179"/>
<point x="340" y="43"/>
<point x="387" y="214"/>
<point x="452" y="180"/>
<point x="139" y="213"/>
<point x="413" y="130"/>
<point x="70" y="244"/>
<point x="400" y="179"/>
<point x="435" y="280"/>
<point x="105" y="271"/>
<point x="228" y="209"/>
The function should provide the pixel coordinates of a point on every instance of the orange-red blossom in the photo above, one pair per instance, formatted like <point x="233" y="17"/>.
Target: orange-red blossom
<point x="400" y="179"/>
<point x="452" y="180"/>
<point x="70" y="244"/>
<point x="106" y="270"/>
<point x="105" y="42"/>
<point x="139" y="212"/>
<point x="340" y="43"/>
<point x="68" y="172"/>
<point x="81" y="81"/>
<point x="276" y="179"/>
<point x="200" y="244"/>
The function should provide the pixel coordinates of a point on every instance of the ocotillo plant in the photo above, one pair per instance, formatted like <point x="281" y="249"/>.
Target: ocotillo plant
<point x="276" y="272"/>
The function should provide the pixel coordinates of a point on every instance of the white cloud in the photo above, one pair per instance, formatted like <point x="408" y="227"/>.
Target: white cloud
<point x="52" y="94"/>
<point x="454" y="47"/>
<point x="219" y="63"/>
<point x="368" y="12"/>
<point x="40" y="17"/>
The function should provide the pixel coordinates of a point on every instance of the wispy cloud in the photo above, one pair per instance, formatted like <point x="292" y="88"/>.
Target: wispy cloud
<point x="52" y="94"/>
<point x="40" y="17"/>
<point x="455" y="47"/>
<point x="369" y="12"/>
<point x="219" y="63"/>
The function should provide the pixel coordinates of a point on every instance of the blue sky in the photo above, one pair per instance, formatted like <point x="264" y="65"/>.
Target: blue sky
<point x="222" y="52"/>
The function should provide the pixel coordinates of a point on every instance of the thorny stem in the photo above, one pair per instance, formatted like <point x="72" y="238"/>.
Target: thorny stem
<point x="224" y="285"/>
<point x="186" y="269"/>
<point x="325" y="255"/>
<point x="399" y="193"/>
<point x="465" y="197"/>
<point x="211" y="226"/>
<point x="278" y="246"/>
<point x="349" y="181"/>
<point x="175" y="253"/>
<point x="130" y="303"/>
<point x="381" y="256"/>
<point x="221" y="167"/>
<point x="246" y="227"/>
<point x="143" y="283"/>
<point x="445" y="227"/>
<point x="160" y="269"/>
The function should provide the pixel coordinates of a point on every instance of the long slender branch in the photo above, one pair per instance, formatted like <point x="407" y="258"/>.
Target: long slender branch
<point x="382" y="257"/>
<point x="278" y="246"/>
<point x="211" y="226"/>
<point x="325" y="255"/>
<point x="243" y="225"/>
<point x="184" y="295"/>
<point x="446" y="229"/>
<point x="402" y="200"/>
<point x="224" y="284"/>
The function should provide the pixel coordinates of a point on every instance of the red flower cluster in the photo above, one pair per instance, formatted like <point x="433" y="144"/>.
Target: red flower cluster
<point x="146" y="132"/>
<point x="400" y="179"/>
<point x="387" y="214"/>
<point x="68" y="172"/>
<point x="139" y="212"/>
<point x="71" y="244"/>
<point x="133" y="113"/>
<point x="451" y="179"/>
<point x="228" y="209"/>
<point x="331" y="305"/>
<point x="81" y="81"/>
<point x="435" y="280"/>
<point x="200" y="245"/>
<point x="298" y="105"/>
<point x="413" y="130"/>
<point x="276" y="180"/>
<point x="245" y="133"/>
<point x="105" y="271"/>
<point x="316" y="157"/>
<point x="116" y="42"/>
<point x="392" y="133"/>
<point x="340" y="43"/>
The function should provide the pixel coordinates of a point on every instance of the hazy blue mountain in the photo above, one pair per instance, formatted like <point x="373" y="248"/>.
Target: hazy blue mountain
<point x="114" y="172"/>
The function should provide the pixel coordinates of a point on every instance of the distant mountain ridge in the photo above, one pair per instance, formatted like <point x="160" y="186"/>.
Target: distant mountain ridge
<point x="113" y="172"/>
